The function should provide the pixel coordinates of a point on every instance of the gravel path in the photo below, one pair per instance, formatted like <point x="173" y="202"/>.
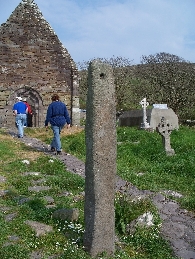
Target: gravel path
<point x="178" y="224"/>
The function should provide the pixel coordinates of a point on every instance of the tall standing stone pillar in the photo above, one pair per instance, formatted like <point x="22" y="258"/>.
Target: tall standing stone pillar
<point x="100" y="160"/>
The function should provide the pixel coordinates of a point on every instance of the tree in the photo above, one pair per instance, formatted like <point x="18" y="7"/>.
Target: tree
<point x="172" y="81"/>
<point x="123" y="76"/>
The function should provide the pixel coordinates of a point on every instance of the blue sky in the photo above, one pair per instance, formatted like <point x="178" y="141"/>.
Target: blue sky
<point x="121" y="28"/>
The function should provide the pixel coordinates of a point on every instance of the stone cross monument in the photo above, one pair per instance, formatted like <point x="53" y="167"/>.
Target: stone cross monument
<point x="100" y="166"/>
<point x="165" y="129"/>
<point x="144" y="124"/>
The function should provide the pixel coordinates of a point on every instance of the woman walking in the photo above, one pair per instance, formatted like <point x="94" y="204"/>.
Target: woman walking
<point x="58" y="117"/>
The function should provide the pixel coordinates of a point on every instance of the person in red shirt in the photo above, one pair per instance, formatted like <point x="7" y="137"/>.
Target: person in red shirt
<point x="29" y="114"/>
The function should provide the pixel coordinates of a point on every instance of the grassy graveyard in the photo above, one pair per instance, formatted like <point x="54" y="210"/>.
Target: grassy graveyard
<point x="141" y="160"/>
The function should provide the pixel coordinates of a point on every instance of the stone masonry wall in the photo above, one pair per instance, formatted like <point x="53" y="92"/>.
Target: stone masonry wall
<point x="34" y="64"/>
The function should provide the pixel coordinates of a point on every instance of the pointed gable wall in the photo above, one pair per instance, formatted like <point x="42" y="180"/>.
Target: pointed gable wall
<point x="34" y="64"/>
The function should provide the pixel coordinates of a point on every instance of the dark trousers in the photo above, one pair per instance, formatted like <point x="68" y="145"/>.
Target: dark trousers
<point x="29" y="120"/>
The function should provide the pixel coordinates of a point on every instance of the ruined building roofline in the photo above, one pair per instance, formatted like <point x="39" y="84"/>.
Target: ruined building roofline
<point x="23" y="11"/>
<point x="28" y="10"/>
<point x="27" y="1"/>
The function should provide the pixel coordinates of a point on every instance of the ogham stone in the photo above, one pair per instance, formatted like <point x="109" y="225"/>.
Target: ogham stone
<point x="100" y="167"/>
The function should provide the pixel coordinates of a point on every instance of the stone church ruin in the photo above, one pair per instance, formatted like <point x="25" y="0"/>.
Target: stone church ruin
<point x="34" y="65"/>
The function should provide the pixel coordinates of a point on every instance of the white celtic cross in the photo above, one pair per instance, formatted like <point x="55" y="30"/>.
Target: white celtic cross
<point x="144" y="104"/>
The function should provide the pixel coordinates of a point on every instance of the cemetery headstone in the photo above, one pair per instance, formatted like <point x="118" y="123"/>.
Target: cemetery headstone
<point x="165" y="128"/>
<point x="161" y="110"/>
<point x="160" y="106"/>
<point x="144" y="124"/>
<point x="100" y="168"/>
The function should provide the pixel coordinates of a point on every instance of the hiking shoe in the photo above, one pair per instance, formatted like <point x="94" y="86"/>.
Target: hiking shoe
<point x="58" y="153"/>
<point x="53" y="149"/>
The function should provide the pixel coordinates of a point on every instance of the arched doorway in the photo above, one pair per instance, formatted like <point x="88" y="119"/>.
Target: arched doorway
<point x="35" y="101"/>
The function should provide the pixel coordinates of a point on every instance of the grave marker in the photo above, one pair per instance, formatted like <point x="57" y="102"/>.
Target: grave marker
<point x="144" y="124"/>
<point x="165" y="128"/>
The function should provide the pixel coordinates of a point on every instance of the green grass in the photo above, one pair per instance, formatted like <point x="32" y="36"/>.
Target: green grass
<point x="143" y="152"/>
<point x="138" y="152"/>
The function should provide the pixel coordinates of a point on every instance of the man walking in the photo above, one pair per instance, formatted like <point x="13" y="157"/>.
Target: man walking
<point x="20" y="110"/>
<point x="57" y="116"/>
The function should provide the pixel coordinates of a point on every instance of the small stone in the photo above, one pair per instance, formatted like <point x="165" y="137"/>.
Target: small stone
<point x="67" y="214"/>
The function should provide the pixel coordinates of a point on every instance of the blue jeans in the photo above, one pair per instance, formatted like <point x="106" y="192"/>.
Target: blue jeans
<point x="20" y="121"/>
<point x="56" y="142"/>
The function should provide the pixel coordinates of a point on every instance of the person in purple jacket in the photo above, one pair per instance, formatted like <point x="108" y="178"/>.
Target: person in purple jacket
<point x="20" y="110"/>
<point x="58" y="117"/>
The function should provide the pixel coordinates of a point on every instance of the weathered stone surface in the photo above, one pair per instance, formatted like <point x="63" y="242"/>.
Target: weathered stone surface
<point x="145" y="220"/>
<point x="165" y="128"/>
<point x="38" y="182"/>
<point x="34" y="64"/>
<point x="11" y="216"/>
<point x="4" y="193"/>
<point x="36" y="254"/>
<point x="22" y="200"/>
<point x="49" y="199"/>
<point x="39" y="228"/>
<point x="100" y="160"/>
<point x="13" y="238"/>
<point x="186" y="254"/>
<point x="4" y="209"/>
<point x="38" y="188"/>
<point x="170" y="208"/>
<point x="67" y="214"/>
<point x="169" y="114"/>
<point x="177" y="229"/>
<point x="2" y="179"/>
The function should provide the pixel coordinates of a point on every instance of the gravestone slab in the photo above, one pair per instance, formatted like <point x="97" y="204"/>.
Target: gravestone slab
<point x="157" y="114"/>
<point x="160" y="106"/>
